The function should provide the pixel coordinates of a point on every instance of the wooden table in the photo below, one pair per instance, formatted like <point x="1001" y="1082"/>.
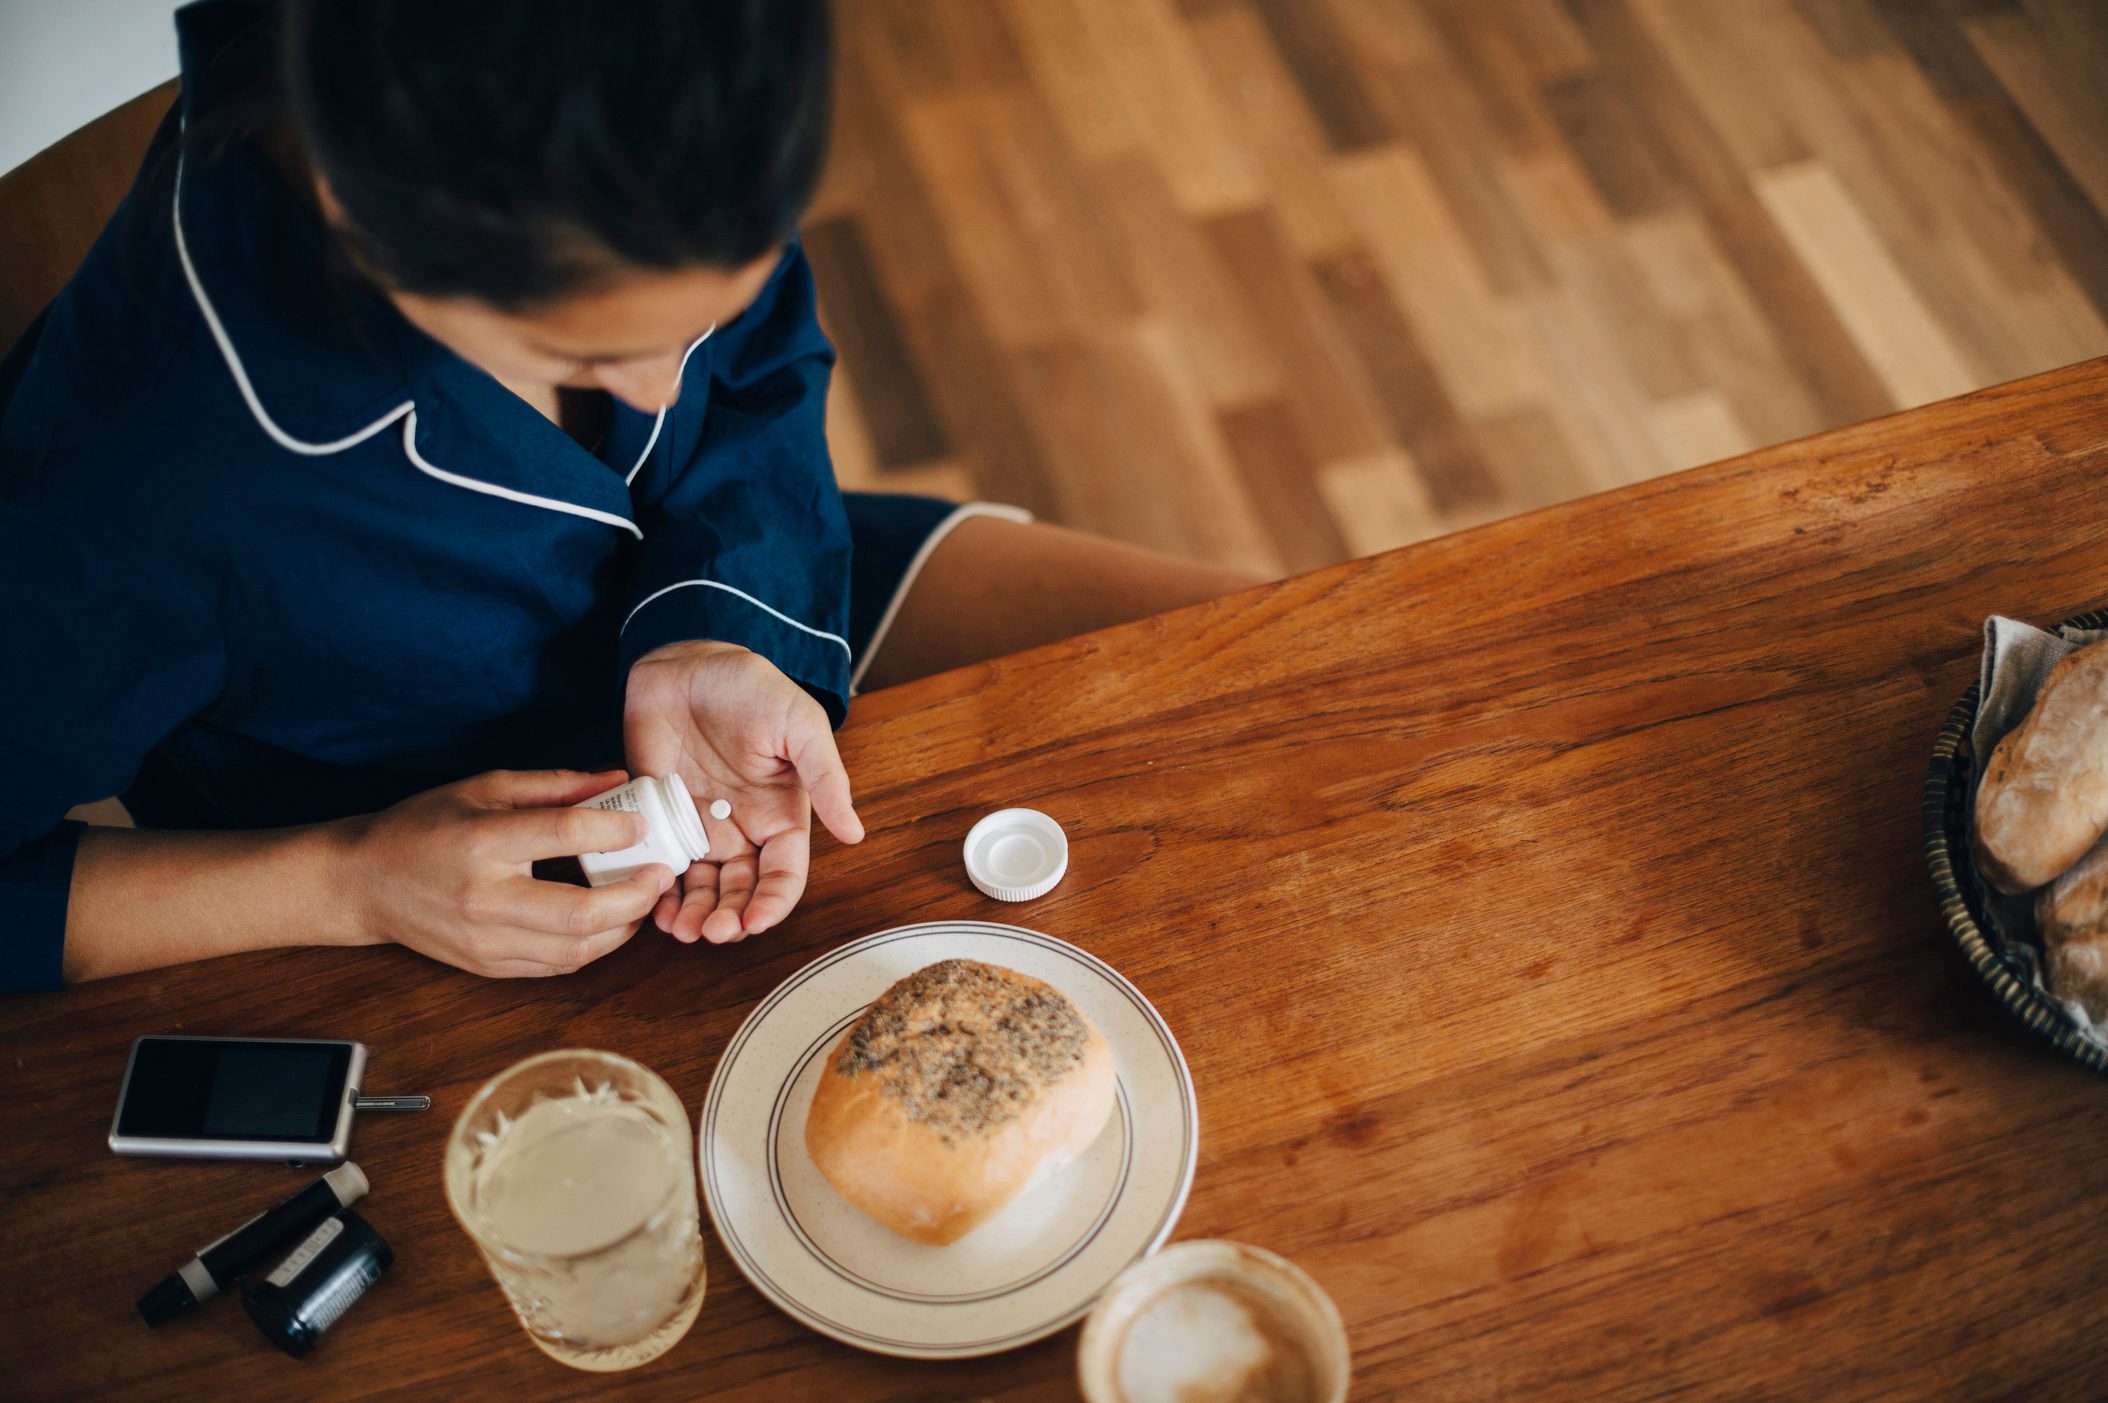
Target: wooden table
<point x="1541" y="910"/>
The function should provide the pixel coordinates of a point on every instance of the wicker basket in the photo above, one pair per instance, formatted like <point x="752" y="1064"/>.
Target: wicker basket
<point x="1954" y="875"/>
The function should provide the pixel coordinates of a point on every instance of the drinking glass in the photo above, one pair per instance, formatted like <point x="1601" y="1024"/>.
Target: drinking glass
<point x="574" y="1173"/>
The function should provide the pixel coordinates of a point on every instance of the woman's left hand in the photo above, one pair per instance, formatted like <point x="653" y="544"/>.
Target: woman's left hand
<point x="736" y="728"/>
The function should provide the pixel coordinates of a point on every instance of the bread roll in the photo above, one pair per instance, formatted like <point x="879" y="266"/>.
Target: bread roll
<point x="2044" y="797"/>
<point x="944" y="1099"/>
<point x="2072" y="913"/>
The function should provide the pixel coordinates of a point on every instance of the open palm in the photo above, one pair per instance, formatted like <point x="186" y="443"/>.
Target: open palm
<point x="734" y="727"/>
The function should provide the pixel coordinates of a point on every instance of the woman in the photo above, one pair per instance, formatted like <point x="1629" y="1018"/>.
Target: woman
<point x="446" y="400"/>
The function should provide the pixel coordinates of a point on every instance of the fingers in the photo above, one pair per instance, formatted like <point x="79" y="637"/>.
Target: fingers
<point x="742" y="896"/>
<point x="819" y="764"/>
<point x="713" y="897"/>
<point x="532" y="955"/>
<point x="556" y="908"/>
<point x="526" y="835"/>
<point x="735" y="883"/>
<point x="537" y="789"/>
<point x="698" y="900"/>
<point x="668" y="907"/>
<point x="518" y="969"/>
<point x="781" y="870"/>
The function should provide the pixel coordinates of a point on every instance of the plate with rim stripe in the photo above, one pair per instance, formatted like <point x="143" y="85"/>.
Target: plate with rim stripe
<point x="1034" y="1268"/>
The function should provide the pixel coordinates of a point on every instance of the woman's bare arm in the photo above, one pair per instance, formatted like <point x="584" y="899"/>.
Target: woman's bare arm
<point x="447" y="872"/>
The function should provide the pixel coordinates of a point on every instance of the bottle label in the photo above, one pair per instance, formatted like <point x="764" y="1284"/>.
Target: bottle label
<point x="623" y="800"/>
<point x="306" y="1252"/>
<point x="322" y="1312"/>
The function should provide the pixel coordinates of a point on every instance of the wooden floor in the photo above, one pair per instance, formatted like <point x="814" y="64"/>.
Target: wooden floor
<point x="1281" y="281"/>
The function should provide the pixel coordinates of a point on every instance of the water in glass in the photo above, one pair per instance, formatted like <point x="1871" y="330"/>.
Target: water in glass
<point x="574" y="1174"/>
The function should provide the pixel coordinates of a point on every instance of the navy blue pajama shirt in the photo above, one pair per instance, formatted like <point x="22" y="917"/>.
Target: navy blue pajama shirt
<point x="269" y="555"/>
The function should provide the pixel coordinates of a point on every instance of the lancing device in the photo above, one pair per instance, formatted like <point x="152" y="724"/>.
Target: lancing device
<point x="253" y="1243"/>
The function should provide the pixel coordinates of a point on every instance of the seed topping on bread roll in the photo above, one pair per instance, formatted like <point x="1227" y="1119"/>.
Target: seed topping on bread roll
<point x="951" y="1093"/>
<point x="960" y="1049"/>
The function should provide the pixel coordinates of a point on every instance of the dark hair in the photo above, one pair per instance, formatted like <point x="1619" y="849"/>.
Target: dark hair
<point x="518" y="150"/>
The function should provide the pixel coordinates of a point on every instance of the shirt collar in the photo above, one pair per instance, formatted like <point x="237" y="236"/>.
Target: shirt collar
<point x="321" y="358"/>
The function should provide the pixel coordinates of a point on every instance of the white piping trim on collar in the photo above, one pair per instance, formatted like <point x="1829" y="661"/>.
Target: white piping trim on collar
<point x="965" y="512"/>
<point x="406" y="411"/>
<point x="660" y="422"/>
<point x="424" y="465"/>
<point x="234" y="361"/>
<point x="822" y="634"/>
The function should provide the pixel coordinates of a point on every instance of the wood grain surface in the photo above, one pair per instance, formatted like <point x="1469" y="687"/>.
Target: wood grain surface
<point x="1338" y="275"/>
<point x="1540" y="909"/>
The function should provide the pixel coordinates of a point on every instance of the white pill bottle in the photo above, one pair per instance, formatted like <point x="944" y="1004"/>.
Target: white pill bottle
<point x="675" y="837"/>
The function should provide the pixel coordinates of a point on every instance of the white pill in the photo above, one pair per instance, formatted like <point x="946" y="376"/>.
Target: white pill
<point x="720" y="809"/>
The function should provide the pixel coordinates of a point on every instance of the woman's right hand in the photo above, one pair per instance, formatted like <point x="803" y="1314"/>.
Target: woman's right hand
<point x="448" y="873"/>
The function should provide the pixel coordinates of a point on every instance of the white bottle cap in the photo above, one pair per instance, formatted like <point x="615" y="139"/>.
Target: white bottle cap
<point x="687" y="823"/>
<point x="1016" y="854"/>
